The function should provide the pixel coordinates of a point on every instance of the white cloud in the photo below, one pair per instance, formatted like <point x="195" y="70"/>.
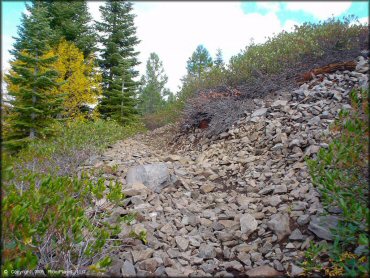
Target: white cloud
<point x="364" y="20"/>
<point x="289" y="25"/>
<point x="271" y="6"/>
<point x="320" y="10"/>
<point x="93" y="7"/>
<point x="174" y="29"/>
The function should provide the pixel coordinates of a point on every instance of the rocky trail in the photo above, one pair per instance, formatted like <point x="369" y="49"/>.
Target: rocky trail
<point x="239" y="204"/>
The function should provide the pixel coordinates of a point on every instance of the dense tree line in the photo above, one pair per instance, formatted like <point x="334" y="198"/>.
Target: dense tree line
<point x="64" y="64"/>
<point x="57" y="71"/>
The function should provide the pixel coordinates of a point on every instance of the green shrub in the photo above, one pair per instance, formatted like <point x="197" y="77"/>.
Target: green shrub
<point x="74" y="143"/>
<point x="286" y="49"/>
<point x="340" y="174"/>
<point x="46" y="226"/>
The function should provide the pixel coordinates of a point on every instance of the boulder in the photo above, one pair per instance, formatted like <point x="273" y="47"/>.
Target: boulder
<point x="155" y="176"/>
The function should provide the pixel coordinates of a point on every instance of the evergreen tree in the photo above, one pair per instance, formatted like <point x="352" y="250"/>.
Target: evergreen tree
<point x="199" y="62"/>
<point x="70" y="20"/>
<point x="117" y="61"/>
<point x="31" y="80"/>
<point x="219" y="60"/>
<point x="152" y="91"/>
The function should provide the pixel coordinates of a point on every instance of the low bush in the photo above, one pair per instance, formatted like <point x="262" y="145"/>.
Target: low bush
<point x="73" y="144"/>
<point x="51" y="220"/>
<point x="341" y="175"/>
<point x="45" y="224"/>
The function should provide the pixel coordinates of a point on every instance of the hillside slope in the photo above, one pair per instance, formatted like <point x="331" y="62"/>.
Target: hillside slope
<point x="241" y="203"/>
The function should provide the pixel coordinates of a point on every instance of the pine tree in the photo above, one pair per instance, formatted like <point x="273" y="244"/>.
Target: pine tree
<point x="219" y="60"/>
<point x="31" y="80"/>
<point x="118" y="59"/>
<point x="152" y="92"/>
<point x="199" y="62"/>
<point x="71" y="20"/>
<point x="80" y="82"/>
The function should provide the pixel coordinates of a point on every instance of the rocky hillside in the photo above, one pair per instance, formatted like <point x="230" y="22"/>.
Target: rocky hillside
<point x="239" y="204"/>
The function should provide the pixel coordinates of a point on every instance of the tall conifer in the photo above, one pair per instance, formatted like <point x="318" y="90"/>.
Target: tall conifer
<point x="31" y="80"/>
<point x="70" y="19"/>
<point x="117" y="34"/>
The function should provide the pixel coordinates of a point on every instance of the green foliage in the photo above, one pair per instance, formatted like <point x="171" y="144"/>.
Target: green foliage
<point x="118" y="61"/>
<point x="74" y="142"/>
<point x="70" y="21"/>
<point x="141" y="236"/>
<point x="31" y="80"/>
<point x="152" y="91"/>
<point x="199" y="62"/>
<point x="219" y="60"/>
<point x="289" y="48"/>
<point x="167" y="115"/>
<point x="45" y="225"/>
<point x="340" y="174"/>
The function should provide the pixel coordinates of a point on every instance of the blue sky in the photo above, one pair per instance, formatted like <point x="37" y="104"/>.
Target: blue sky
<point x="174" y="29"/>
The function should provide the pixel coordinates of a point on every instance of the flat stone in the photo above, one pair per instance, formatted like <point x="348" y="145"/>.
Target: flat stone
<point x="182" y="243"/>
<point x="279" y="224"/>
<point x="233" y="265"/>
<point x="281" y="188"/>
<point x="303" y="219"/>
<point x="148" y="265"/>
<point x="206" y="188"/>
<point x="296" y="235"/>
<point x="135" y="189"/>
<point x="142" y="254"/>
<point x="279" y="103"/>
<point x="321" y="225"/>
<point x="128" y="269"/>
<point x="172" y="272"/>
<point x="263" y="271"/>
<point x="259" y="112"/>
<point x="295" y="270"/>
<point x="207" y="251"/>
<point x="248" y="224"/>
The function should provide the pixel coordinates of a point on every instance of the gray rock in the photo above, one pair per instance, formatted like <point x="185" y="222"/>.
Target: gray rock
<point x="272" y="201"/>
<point x="279" y="224"/>
<point x="208" y="267"/>
<point x="281" y="188"/>
<point x="296" y="270"/>
<point x="207" y="251"/>
<point x="182" y="243"/>
<point x="172" y="272"/>
<point x="155" y="176"/>
<point x="303" y="219"/>
<point x="142" y="254"/>
<point x="248" y="224"/>
<point x="321" y="225"/>
<point x="128" y="269"/>
<point x="115" y="268"/>
<point x="148" y="265"/>
<point x="263" y="271"/>
<point x="233" y="265"/>
<point x="259" y="112"/>
<point x="296" y="235"/>
<point x="278" y="146"/>
<point x="278" y="266"/>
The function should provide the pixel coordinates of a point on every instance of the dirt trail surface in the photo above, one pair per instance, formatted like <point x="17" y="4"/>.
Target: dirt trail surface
<point x="239" y="204"/>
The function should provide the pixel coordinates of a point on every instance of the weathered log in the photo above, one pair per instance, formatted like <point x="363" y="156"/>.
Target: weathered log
<point x="307" y="76"/>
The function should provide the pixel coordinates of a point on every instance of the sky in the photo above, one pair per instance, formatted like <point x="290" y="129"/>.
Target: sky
<point x="174" y="29"/>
